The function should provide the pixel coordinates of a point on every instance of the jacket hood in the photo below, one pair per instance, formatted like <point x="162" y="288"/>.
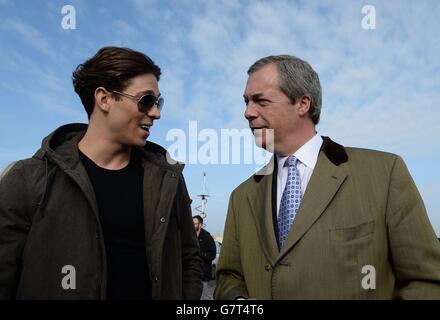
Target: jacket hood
<point x="60" y="147"/>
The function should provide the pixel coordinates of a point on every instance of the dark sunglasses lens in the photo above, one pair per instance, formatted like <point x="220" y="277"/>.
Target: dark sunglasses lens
<point x="160" y="103"/>
<point x="146" y="102"/>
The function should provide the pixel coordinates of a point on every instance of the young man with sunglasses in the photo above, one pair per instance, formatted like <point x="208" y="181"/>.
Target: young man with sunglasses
<point x="98" y="212"/>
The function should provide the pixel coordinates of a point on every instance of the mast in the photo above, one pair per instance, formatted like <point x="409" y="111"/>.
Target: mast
<point x="203" y="198"/>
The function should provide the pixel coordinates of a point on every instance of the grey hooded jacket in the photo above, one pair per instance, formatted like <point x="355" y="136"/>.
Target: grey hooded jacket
<point x="49" y="219"/>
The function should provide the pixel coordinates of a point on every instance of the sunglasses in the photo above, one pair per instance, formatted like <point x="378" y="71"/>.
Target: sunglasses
<point x="144" y="103"/>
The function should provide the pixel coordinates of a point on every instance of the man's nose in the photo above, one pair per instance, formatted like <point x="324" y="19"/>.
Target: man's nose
<point x="154" y="112"/>
<point x="250" y="112"/>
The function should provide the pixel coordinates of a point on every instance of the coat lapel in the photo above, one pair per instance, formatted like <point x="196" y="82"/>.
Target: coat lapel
<point x="324" y="183"/>
<point x="260" y="203"/>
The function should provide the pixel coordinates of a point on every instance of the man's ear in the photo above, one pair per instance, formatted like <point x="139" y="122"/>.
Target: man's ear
<point x="102" y="99"/>
<point x="304" y="105"/>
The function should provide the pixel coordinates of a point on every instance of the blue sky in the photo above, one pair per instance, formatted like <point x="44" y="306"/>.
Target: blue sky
<point x="381" y="87"/>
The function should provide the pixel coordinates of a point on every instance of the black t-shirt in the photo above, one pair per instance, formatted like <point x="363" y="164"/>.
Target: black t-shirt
<point x="119" y="194"/>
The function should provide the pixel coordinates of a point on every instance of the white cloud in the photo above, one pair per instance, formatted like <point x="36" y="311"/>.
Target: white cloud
<point x="124" y="29"/>
<point x="54" y="105"/>
<point x="147" y="8"/>
<point x="27" y="33"/>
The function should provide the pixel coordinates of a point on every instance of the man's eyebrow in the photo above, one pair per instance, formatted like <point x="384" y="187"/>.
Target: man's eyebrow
<point x="254" y="96"/>
<point x="147" y="92"/>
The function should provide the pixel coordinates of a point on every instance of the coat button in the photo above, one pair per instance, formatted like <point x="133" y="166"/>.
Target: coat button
<point x="162" y="219"/>
<point x="267" y="267"/>
<point x="174" y="175"/>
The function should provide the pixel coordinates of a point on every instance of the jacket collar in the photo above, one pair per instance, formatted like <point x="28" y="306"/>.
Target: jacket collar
<point x="61" y="147"/>
<point x="334" y="151"/>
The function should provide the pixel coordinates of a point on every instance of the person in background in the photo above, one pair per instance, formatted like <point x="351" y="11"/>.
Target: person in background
<point x="207" y="254"/>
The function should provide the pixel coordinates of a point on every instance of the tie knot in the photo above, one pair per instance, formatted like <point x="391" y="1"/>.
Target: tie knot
<point x="291" y="161"/>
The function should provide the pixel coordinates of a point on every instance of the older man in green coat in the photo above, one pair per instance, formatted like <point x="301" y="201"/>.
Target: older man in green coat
<point x="321" y="221"/>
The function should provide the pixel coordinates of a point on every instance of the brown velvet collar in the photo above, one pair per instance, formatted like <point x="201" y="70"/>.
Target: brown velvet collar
<point x="334" y="151"/>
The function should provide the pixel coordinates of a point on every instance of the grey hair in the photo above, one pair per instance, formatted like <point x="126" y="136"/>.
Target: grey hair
<point x="296" y="79"/>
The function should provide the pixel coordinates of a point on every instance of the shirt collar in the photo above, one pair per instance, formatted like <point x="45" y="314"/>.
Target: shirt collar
<point x="307" y="154"/>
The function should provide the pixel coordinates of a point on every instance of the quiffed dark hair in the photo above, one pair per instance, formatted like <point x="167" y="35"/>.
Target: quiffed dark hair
<point x="111" y="68"/>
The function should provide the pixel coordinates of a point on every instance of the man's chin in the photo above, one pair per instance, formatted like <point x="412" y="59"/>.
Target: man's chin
<point x="143" y="143"/>
<point x="260" y="144"/>
<point x="264" y="140"/>
<point x="139" y="143"/>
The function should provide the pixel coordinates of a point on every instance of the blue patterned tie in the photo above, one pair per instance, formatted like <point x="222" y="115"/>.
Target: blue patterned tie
<point x="290" y="200"/>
